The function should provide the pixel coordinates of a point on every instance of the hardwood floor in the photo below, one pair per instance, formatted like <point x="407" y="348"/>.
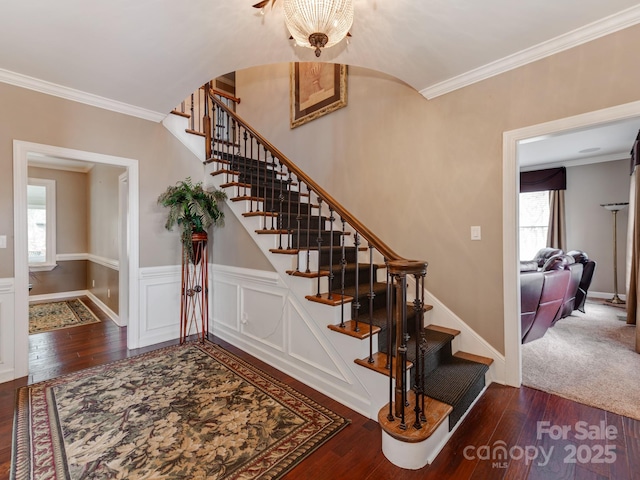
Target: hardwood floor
<point x="503" y="416"/>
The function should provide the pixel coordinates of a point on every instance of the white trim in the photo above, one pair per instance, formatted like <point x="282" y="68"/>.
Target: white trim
<point x="42" y="86"/>
<point x="21" y="151"/>
<point x="105" y="262"/>
<point x="510" y="187"/>
<point x="51" y="229"/>
<point x="579" y="36"/>
<point x="160" y="272"/>
<point x="102" y="306"/>
<point x="48" y="297"/>
<point x="70" y="257"/>
<point x="111" y="263"/>
<point x="42" y="267"/>
<point x="6" y="285"/>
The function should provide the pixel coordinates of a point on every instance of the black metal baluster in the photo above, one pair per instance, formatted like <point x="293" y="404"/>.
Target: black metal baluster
<point x="419" y="367"/>
<point x="245" y="177"/>
<point x="193" y="113"/>
<point x="423" y="350"/>
<point x="289" y="229"/>
<point x="371" y="297"/>
<point x="403" y="347"/>
<point x="390" y="311"/>
<point x="331" y="220"/>
<point x="308" y="270"/>
<point x="343" y="268"/>
<point x="390" y="329"/>
<point x="265" y="180"/>
<point x="273" y="191"/>
<point x="356" y="298"/>
<point x="275" y="169"/>
<point x="298" y="227"/>
<point x="319" y="241"/>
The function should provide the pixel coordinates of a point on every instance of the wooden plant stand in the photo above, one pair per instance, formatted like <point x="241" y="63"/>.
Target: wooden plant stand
<point x="194" y="305"/>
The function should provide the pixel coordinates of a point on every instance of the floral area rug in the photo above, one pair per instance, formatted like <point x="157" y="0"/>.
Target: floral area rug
<point x="193" y="411"/>
<point x="44" y="317"/>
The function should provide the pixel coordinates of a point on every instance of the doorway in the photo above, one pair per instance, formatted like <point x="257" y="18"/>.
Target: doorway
<point x="22" y="151"/>
<point x="510" y="189"/>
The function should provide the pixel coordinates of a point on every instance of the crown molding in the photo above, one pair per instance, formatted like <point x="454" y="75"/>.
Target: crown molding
<point x="42" y="86"/>
<point x="579" y="36"/>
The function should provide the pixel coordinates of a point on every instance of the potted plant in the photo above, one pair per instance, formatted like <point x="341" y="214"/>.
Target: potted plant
<point x="194" y="209"/>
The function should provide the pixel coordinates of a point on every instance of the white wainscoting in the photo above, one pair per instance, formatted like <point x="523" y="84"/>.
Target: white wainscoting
<point x="255" y="311"/>
<point x="7" y="320"/>
<point x="159" y="304"/>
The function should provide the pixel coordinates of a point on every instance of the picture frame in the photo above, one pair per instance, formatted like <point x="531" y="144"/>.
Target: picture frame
<point x="316" y="89"/>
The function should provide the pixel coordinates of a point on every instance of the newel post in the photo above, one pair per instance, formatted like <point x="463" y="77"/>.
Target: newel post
<point x="398" y="271"/>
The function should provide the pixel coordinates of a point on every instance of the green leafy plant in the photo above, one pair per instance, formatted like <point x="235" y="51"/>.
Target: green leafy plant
<point x="193" y="209"/>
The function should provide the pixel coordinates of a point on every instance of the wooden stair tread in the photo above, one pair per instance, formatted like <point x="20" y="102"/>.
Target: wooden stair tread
<point x="316" y="274"/>
<point x="324" y="299"/>
<point x="247" y="197"/>
<point x="474" y="358"/>
<point x="435" y="412"/>
<point x="260" y="214"/>
<point x="284" y="251"/>
<point x="181" y="114"/>
<point x="350" y="329"/>
<point x="438" y="328"/>
<point x="380" y="363"/>
<point x="223" y="171"/>
<point x="194" y="132"/>
<point x="269" y="231"/>
<point x="236" y="184"/>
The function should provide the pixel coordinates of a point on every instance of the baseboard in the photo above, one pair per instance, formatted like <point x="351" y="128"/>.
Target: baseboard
<point x="57" y="296"/>
<point x="110" y="313"/>
<point x="604" y="296"/>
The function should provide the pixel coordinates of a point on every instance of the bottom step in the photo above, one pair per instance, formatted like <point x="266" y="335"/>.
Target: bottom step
<point x="456" y="382"/>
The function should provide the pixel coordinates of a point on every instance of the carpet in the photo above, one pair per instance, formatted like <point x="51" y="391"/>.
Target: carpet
<point x="44" y="317"/>
<point x="193" y="411"/>
<point x="589" y="358"/>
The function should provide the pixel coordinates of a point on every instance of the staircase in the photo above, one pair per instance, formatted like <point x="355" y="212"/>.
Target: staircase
<point x="379" y="295"/>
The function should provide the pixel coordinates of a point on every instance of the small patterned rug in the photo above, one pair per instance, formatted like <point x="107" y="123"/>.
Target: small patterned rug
<point x="44" y="317"/>
<point x="193" y="411"/>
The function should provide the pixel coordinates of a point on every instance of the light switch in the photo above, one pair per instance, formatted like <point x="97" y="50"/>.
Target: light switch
<point x="476" y="233"/>
<point x="3" y="241"/>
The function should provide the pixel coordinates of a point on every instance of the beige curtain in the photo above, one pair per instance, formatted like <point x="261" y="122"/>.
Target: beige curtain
<point x="557" y="233"/>
<point x="633" y="256"/>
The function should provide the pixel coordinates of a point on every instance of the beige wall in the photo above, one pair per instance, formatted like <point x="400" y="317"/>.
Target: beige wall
<point x="103" y="283"/>
<point x="103" y="211"/>
<point x="232" y="245"/>
<point x="71" y="208"/>
<point x="163" y="160"/>
<point x="590" y="226"/>
<point x="420" y="172"/>
<point x="68" y="276"/>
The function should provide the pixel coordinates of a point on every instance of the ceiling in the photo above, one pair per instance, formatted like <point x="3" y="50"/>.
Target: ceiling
<point x="143" y="57"/>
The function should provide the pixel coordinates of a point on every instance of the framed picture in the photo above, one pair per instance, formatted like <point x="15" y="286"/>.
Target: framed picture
<point x="316" y="89"/>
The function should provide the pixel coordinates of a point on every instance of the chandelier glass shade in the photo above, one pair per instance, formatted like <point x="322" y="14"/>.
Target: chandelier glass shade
<point x="318" y="24"/>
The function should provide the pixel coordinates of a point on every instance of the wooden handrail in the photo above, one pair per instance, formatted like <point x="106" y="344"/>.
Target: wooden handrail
<point x="372" y="238"/>
<point x="228" y="96"/>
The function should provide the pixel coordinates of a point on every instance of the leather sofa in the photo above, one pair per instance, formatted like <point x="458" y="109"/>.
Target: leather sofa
<point x="550" y="292"/>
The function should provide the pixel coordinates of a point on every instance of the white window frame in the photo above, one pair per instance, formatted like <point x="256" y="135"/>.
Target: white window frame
<point x="50" y="261"/>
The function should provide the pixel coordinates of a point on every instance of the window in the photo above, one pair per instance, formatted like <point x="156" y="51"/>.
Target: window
<point x="534" y="223"/>
<point x="41" y="224"/>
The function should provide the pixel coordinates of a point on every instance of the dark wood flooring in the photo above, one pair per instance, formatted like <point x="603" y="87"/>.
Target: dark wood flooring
<point x="503" y="416"/>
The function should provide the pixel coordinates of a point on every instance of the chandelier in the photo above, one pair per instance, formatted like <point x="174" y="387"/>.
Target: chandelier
<point x="316" y="24"/>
